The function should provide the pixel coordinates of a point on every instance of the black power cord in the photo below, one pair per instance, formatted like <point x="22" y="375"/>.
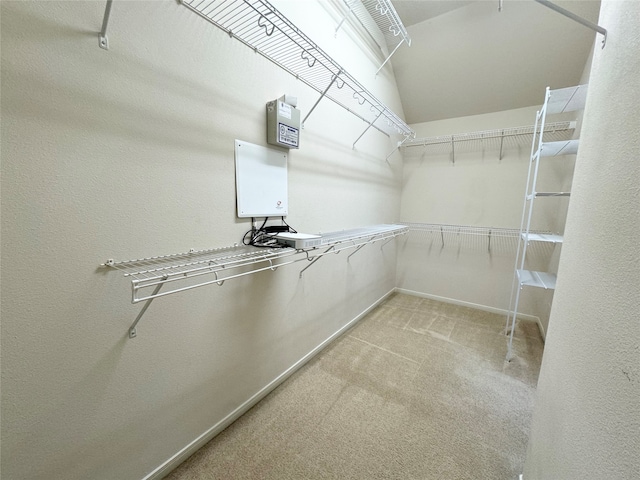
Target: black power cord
<point x="265" y="236"/>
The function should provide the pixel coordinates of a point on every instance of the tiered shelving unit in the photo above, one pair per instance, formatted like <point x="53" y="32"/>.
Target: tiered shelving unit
<point x="261" y="27"/>
<point x="196" y="268"/>
<point x="556" y="101"/>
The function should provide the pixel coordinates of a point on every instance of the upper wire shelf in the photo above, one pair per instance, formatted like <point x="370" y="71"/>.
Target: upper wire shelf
<point x="380" y="19"/>
<point x="257" y="24"/>
<point x="499" y="139"/>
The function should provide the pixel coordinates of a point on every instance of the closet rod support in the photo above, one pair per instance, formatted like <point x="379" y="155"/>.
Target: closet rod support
<point x="365" y="130"/>
<point x="316" y="258"/>
<point x="132" y="330"/>
<point x="333" y="80"/>
<point x="103" y="41"/>
<point x="335" y="34"/>
<point x="400" y="144"/>
<point x="576" y="18"/>
<point x="453" y="151"/>
<point x="356" y="250"/>
<point x="389" y="57"/>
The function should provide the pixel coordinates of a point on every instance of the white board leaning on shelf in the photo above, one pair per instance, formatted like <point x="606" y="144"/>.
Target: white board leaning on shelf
<point x="261" y="181"/>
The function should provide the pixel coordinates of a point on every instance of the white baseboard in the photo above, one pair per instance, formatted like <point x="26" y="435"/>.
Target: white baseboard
<point x="486" y="308"/>
<point x="173" y="462"/>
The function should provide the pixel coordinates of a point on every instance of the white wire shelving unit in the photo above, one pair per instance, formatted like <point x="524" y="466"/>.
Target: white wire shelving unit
<point x="497" y="139"/>
<point x="555" y="101"/>
<point x="185" y="271"/>
<point x="265" y="30"/>
<point x="381" y="21"/>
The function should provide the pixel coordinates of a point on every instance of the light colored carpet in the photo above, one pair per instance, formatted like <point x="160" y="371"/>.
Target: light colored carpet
<point x="418" y="389"/>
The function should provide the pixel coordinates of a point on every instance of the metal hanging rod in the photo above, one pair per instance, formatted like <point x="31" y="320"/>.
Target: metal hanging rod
<point x="257" y="24"/>
<point x="576" y="18"/>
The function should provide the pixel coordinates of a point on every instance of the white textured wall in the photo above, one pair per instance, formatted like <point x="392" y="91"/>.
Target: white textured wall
<point x="586" y="423"/>
<point x="483" y="191"/>
<point x="128" y="153"/>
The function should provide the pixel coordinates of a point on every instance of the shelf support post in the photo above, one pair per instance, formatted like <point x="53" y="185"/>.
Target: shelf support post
<point x="389" y="57"/>
<point x="335" y="34"/>
<point x="576" y="18"/>
<point x="103" y="41"/>
<point x="356" y="250"/>
<point x="365" y="130"/>
<point x="333" y="80"/>
<point x="132" y="330"/>
<point x="453" y="150"/>
<point x="398" y="147"/>
<point x="316" y="259"/>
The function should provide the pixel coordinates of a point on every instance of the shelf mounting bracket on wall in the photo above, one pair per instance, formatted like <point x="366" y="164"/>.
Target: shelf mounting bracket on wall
<point x="103" y="41"/>
<point x="316" y="258"/>
<point x="132" y="329"/>
<point x="576" y="18"/>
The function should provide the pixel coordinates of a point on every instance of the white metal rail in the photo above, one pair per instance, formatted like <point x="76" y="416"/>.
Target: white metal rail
<point x="257" y="24"/>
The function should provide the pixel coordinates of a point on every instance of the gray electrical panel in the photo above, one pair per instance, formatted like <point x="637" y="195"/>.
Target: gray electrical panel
<point x="283" y="122"/>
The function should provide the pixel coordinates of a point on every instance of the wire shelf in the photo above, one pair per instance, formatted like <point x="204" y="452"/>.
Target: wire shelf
<point x="177" y="271"/>
<point x="185" y="271"/>
<point x="257" y="24"/>
<point x="496" y="139"/>
<point x="472" y="238"/>
<point x="362" y="235"/>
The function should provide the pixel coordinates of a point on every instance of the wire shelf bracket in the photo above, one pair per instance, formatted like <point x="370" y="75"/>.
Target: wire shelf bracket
<point x="103" y="40"/>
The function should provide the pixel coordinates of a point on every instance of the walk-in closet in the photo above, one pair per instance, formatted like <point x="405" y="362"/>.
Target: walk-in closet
<point x="319" y="239"/>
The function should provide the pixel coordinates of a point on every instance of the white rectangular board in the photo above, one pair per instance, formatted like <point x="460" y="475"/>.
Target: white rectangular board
<point x="261" y="181"/>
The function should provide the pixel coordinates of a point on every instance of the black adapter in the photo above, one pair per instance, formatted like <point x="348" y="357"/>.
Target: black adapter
<point x="276" y="229"/>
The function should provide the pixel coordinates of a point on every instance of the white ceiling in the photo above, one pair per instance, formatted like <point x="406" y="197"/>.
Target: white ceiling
<point x="466" y="58"/>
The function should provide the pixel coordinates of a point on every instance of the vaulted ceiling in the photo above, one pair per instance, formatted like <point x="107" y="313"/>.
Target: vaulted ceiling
<point x="468" y="58"/>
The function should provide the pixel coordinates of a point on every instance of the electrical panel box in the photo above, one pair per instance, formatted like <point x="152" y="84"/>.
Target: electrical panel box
<point x="283" y="122"/>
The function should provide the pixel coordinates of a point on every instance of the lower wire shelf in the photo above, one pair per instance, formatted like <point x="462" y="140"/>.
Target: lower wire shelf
<point x="196" y="268"/>
<point x="184" y="271"/>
